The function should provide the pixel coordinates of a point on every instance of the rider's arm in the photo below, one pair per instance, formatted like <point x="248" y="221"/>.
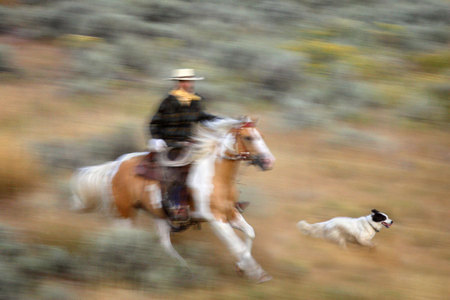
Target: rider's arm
<point x="207" y="117"/>
<point x="157" y="122"/>
<point x="204" y="116"/>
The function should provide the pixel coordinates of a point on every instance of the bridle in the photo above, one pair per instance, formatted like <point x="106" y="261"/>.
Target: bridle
<point x="240" y="151"/>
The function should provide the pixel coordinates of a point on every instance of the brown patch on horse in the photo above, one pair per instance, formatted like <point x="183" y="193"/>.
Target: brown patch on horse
<point x="130" y="192"/>
<point x="224" y="196"/>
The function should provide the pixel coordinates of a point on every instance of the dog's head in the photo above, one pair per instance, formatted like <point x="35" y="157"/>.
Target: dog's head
<point x="381" y="218"/>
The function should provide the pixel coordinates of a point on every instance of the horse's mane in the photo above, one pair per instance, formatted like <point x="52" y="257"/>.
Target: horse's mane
<point x="212" y="134"/>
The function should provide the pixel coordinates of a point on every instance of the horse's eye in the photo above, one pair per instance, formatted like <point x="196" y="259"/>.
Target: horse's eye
<point x="248" y="138"/>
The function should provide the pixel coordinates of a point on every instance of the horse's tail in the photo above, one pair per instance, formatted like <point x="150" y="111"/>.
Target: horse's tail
<point x="91" y="187"/>
<point x="310" y="229"/>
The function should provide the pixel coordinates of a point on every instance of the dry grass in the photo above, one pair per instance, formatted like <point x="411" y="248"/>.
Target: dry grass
<point x="18" y="169"/>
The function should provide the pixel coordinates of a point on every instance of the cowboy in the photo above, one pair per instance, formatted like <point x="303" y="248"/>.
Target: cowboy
<point x="171" y="127"/>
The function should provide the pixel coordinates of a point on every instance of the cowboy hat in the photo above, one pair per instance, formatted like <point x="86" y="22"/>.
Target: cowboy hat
<point x="184" y="74"/>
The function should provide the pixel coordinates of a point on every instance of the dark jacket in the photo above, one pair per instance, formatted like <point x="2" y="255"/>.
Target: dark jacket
<point x="173" y="121"/>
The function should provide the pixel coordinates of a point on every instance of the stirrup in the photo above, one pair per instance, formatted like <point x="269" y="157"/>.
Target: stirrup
<point x="179" y="214"/>
<point x="180" y="224"/>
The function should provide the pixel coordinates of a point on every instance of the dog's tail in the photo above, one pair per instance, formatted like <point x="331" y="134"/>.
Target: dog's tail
<point x="309" y="229"/>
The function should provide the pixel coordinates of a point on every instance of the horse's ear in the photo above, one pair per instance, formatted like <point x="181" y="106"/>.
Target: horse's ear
<point x="246" y="121"/>
<point x="243" y="118"/>
<point x="250" y="119"/>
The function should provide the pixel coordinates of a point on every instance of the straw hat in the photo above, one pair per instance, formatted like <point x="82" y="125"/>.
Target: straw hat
<point x="184" y="74"/>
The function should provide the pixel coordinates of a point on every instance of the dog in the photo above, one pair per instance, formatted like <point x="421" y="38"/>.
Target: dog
<point x="343" y="230"/>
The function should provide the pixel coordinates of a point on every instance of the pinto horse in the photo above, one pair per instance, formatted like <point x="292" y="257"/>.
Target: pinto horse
<point x="219" y="147"/>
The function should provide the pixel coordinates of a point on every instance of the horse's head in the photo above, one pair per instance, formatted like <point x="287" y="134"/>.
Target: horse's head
<point x="250" y="145"/>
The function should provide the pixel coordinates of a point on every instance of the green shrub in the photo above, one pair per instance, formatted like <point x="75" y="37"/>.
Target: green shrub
<point x="112" y="255"/>
<point x="93" y="150"/>
<point x="123" y="253"/>
<point x="441" y="92"/>
<point x="135" y="54"/>
<point x="422" y="110"/>
<point x="423" y="35"/>
<point x="54" y="292"/>
<point x="111" y="25"/>
<point x="236" y="57"/>
<point x="13" y="284"/>
<point x="304" y="114"/>
<point x="136" y="256"/>
<point x="278" y="72"/>
<point x="52" y="21"/>
<point x="6" y="19"/>
<point x="277" y="13"/>
<point x="433" y="62"/>
<point x="355" y="138"/>
<point x="430" y="11"/>
<point x="165" y="12"/>
<point x="6" y="60"/>
<point x="100" y="63"/>
<point x="93" y="69"/>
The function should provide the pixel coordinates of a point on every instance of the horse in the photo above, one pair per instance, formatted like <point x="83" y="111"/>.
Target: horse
<point x="218" y="148"/>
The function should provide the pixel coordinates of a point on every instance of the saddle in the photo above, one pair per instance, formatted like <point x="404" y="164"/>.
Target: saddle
<point x="149" y="168"/>
<point x="176" y="199"/>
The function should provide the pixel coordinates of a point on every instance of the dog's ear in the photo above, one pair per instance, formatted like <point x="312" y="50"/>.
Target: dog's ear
<point x="375" y="211"/>
<point x="378" y="217"/>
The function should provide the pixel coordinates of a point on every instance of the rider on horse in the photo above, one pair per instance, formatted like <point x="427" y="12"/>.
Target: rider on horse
<point x="171" y="126"/>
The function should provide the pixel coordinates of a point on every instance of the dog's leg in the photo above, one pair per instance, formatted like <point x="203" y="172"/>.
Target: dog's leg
<point x="343" y="244"/>
<point x="366" y="243"/>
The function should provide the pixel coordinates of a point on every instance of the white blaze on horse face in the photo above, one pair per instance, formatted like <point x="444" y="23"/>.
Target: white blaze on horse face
<point x="262" y="148"/>
<point x="154" y="195"/>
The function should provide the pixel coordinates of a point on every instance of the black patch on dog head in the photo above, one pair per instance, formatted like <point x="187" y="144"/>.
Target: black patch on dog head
<point x="377" y="216"/>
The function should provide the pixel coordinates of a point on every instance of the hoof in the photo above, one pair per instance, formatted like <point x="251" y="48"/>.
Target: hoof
<point x="264" y="277"/>
<point x="239" y="271"/>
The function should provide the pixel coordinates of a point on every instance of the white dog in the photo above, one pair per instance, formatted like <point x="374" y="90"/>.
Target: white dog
<point x="342" y="229"/>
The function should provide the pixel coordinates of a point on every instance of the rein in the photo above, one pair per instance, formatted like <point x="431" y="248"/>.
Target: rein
<point x="240" y="154"/>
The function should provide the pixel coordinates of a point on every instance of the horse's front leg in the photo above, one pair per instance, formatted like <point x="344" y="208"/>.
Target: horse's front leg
<point x="246" y="262"/>
<point x="163" y="230"/>
<point x="239" y="223"/>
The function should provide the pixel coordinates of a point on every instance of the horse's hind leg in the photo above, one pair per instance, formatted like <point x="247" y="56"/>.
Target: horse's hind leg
<point x="163" y="229"/>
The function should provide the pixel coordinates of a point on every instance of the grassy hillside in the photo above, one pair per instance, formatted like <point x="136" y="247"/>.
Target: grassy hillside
<point x="352" y="98"/>
<point x="315" y="59"/>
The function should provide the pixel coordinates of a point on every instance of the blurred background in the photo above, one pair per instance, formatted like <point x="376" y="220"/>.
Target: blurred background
<point x="352" y="98"/>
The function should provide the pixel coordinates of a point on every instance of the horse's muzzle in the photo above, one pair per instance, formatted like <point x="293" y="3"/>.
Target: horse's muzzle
<point x="263" y="161"/>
